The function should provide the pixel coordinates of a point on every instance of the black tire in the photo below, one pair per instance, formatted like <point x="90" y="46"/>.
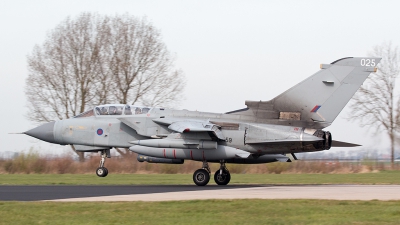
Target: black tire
<point x="101" y="172"/>
<point x="106" y="172"/>
<point x="222" y="179"/>
<point x="201" y="177"/>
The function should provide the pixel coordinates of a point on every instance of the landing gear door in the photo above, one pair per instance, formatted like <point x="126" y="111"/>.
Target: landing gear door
<point x="101" y="133"/>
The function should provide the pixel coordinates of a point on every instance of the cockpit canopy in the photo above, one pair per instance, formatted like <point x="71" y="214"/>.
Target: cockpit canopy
<point x="114" y="109"/>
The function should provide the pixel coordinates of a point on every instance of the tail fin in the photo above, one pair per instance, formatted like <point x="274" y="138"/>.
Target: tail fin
<point x="321" y="97"/>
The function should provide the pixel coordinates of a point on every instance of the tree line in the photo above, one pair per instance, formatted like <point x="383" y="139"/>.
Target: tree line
<point x="97" y="59"/>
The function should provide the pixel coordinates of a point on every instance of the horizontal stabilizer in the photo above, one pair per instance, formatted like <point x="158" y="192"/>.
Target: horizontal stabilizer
<point x="343" y="144"/>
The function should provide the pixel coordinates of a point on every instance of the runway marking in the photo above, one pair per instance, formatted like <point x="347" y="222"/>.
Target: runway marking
<point x="330" y="192"/>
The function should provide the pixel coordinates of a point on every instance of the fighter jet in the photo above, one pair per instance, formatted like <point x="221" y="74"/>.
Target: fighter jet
<point x="263" y="132"/>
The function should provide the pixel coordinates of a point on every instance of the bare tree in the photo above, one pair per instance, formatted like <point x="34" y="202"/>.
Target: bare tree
<point x="64" y="71"/>
<point x="376" y="104"/>
<point x="141" y="66"/>
<point x="94" y="59"/>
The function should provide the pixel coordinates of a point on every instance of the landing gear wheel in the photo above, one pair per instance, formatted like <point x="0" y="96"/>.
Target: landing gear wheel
<point x="201" y="177"/>
<point x="222" y="178"/>
<point x="106" y="171"/>
<point x="101" y="171"/>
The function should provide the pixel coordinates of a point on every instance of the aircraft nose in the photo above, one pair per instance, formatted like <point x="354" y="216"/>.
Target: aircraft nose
<point x="43" y="132"/>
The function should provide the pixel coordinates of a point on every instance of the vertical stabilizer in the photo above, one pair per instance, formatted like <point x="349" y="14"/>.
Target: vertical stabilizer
<point x="322" y="96"/>
<point x="316" y="101"/>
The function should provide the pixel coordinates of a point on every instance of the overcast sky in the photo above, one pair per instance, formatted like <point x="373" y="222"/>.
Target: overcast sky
<point x="230" y="51"/>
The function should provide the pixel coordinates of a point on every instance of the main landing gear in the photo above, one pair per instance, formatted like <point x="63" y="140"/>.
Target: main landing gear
<point x="101" y="171"/>
<point x="201" y="177"/>
<point x="222" y="176"/>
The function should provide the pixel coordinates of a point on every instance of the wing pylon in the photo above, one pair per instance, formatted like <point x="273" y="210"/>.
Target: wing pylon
<point x="184" y="126"/>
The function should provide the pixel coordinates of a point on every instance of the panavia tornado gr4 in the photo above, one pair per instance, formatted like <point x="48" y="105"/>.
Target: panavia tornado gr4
<point x="263" y="132"/>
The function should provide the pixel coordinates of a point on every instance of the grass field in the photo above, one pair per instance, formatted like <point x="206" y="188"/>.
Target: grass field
<point x="383" y="177"/>
<point x="203" y="212"/>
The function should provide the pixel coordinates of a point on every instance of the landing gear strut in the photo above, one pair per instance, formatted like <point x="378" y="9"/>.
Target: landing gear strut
<point x="201" y="177"/>
<point x="101" y="171"/>
<point x="222" y="176"/>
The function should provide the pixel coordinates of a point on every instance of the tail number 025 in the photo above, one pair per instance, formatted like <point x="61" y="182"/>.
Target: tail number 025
<point x="368" y="62"/>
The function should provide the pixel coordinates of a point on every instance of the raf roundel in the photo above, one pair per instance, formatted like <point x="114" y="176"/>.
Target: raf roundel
<point x="99" y="131"/>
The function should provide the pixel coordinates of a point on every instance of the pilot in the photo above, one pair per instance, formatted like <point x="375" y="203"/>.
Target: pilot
<point x="138" y="111"/>
<point x="112" y="110"/>
<point x="128" y="110"/>
<point x="104" y="111"/>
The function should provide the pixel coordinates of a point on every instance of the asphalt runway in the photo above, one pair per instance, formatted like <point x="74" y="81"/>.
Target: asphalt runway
<point x="50" y="192"/>
<point x="191" y="192"/>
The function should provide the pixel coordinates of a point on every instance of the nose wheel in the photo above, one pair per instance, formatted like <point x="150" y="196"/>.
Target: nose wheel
<point x="101" y="171"/>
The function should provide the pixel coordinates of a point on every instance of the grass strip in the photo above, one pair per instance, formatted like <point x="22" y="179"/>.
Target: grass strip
<point x="203" y="212"/>
<point x="384" y="177"/>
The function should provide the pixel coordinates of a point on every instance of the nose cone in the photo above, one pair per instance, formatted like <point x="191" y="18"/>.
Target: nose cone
<point x="44" y="132"/>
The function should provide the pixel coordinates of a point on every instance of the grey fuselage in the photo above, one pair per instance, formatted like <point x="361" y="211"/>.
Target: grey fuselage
<point x="110" y="131"/>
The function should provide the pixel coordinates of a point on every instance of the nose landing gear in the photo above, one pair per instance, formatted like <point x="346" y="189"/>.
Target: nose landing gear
<point x="101" y="171"/>
<point x="201" y="177"/>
